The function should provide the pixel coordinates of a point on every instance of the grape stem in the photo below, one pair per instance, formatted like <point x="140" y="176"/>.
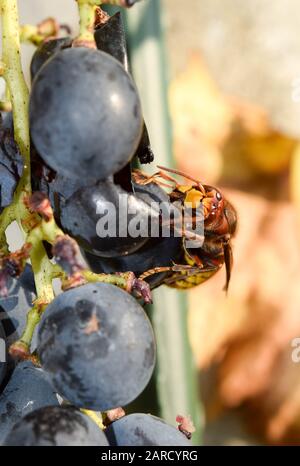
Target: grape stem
<point x="87" y="13"/>
<point x="118" y="280"/>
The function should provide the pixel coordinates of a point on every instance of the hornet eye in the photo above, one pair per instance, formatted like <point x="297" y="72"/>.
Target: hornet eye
<point x="219" y="196"/>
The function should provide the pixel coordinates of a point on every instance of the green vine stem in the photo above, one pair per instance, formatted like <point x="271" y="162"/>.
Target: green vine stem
<point x="13" y="75"/>
<point x="87" y="13"/>
<point x="33" y="318"/>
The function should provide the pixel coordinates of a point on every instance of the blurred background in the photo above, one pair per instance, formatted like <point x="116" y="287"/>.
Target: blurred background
<point x="220" y="86"/>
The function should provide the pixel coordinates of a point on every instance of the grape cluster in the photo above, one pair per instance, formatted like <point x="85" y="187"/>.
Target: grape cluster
<point x="95" y="345"/>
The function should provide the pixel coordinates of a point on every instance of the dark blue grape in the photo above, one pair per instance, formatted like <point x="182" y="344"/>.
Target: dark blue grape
<point x="56" y="426"/>
<point x="85" y="114"/>
<point x="28" y="389"/>
<point x="11" y="166"/>
<point x="156" y="252"/>
<point x="81" y="213"/>
<point x="45" y="51"/>
<point x="110" y="38"/>
<point x="14" y="307"/>
<point x="144" y="430"/>
<point x="97" y="344"/>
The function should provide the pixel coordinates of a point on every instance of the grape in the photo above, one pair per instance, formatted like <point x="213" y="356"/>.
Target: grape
<point x="85" y="114"/>
<point x="110" y="38"/>
<point x="144" y="430"/>
<point x="98" y="346"/>
<point x="57" y="187"/>
<point x="11" y="166"/>
<point x="45" y="51"/>
<point x="156" y="252"/>
<point x="56" y="426"/>
<point x="151" y="192"/>
<point x="14" y="307"/>
<point x="28" y="389"/>
<point x="80" y="214"/>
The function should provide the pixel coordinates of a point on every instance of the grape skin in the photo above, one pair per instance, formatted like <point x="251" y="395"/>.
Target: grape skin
<point x="21" y="293"/>
<point x="85" y="114"/>
<point x="83" y="206"/>
<point x="11" y="164"/>
<point x="56" y="426"/>
<point x="110" y="38"/>
<point x="29" y="388"/>
<point x="45" y="51"/>
<point x="97" y="344"/>
<point x="156" y="252"/>
<point x="144" y="430"/>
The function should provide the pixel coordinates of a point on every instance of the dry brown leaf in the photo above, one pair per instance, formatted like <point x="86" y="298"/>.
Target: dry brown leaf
<point x="216" y="134"/>
<point x="196" y="101"/>
<point x="201" y="120"/>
